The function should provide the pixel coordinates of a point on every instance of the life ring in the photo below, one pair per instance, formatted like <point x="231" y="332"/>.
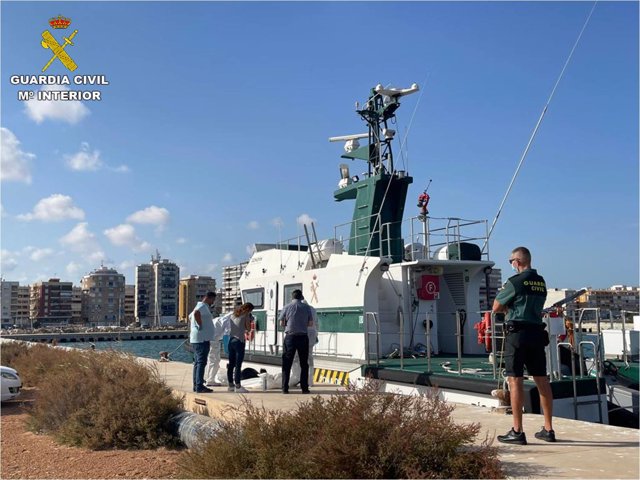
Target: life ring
<point x="251" y="333"/>
<point x="487" y="334"/>
<point x="484" y="331"/>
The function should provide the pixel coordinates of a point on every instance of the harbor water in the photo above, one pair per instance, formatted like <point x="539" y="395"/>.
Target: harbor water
<point x="177" y="348"/>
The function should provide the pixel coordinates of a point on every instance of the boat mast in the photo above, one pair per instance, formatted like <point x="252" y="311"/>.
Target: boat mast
<point x="380" y="196"/>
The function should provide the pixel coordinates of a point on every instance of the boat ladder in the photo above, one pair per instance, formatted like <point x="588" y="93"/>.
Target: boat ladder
<point x="372" y="338"/>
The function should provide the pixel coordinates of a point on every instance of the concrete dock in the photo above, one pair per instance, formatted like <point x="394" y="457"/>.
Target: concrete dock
<point x="583" y="449"/>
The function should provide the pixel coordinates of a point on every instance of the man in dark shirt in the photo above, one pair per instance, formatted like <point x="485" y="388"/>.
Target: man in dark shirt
<point x="522" y="299"/>
<point x="296" y="317"/>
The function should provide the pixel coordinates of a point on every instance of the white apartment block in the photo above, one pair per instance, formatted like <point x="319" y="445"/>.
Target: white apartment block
<point x="231" y="296"/>
<point x="156" y="297"/>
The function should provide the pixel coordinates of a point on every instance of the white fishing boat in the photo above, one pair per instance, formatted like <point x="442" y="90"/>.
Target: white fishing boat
<point x="398" y="299"/>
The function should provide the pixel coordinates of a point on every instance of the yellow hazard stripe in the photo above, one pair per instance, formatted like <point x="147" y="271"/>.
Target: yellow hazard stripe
<point x="335" y="377"/>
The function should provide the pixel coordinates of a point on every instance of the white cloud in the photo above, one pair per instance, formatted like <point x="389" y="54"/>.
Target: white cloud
<point x="227" y="257"/>
<point x="70" y="111"/>
<point x="120" y="169"/>
<point x="73" y="268"/>
<point x="151" y="215"/>
<point x="40" y="254"/>
<point x="84" y="160"/>
<point x="305" y="219"/>
<point x="81" y="240"/>
<point x="124" y="235"/>
<point x="126" y="265"/>
<point x="181" y="241"/>
<point x="14" y="163"/>
<point x="253" y="225"/>
<point x="87" y="160"/>
<point x="53" y="209"/>
<point x="211" y="268"/>
<point x="8" y="262"/>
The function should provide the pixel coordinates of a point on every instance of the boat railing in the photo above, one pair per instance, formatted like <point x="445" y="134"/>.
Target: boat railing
<point x="340" y="238"/>
<point x="428" y="236"/>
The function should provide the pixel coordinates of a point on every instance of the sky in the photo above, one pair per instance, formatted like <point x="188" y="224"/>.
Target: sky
<point x="212" y="133"/>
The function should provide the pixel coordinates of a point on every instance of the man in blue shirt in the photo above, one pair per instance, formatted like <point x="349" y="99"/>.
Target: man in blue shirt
<point x="296" y="318"/>
<point x="522" y="299"/>
<point x="200" y="336"/>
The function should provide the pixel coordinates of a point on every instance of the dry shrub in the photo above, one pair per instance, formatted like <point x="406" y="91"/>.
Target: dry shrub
<point x="35" y="361"/>
<point x="363" y="434"/>
<point x="97" y="400"/>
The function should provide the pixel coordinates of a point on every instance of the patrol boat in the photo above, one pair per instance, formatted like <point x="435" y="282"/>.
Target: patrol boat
<point x="398" y="299"/>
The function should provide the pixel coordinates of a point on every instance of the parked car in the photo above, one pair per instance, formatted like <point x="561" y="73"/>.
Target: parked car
<point x="10" y="383"/>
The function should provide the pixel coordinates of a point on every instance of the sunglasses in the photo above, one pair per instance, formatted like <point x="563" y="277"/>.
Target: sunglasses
<point x="511" y="260"/>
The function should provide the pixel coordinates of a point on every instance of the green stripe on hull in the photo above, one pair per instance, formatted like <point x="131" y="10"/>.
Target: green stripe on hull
<point x="333" y="320"/>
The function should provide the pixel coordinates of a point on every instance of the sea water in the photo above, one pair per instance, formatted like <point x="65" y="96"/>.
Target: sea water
<point x="179" y="349"/>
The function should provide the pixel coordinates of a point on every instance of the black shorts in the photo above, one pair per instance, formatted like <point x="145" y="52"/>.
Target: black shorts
<point x="525" y="348"/>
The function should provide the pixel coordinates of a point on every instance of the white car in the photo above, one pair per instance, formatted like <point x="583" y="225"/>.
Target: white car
<point x="11" y="383"/>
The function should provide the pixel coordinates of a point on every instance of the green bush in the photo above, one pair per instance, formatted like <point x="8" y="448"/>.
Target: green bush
<point x="362" y="434"/>
<point x="97" y="400"/>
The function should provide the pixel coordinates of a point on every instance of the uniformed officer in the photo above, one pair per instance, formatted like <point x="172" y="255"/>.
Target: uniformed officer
<point x="522" y="298"/>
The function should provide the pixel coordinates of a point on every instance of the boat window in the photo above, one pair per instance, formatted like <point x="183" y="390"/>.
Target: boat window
<point x="255" y="296"/>
<point x="288" y="290"/>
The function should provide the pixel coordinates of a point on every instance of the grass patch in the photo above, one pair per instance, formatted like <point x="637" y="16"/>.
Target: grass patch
<point x="95" y="400"/>
<point x="363" y="434"/>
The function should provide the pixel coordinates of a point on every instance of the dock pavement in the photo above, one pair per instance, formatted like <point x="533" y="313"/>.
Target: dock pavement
<point x="583" y="449"/>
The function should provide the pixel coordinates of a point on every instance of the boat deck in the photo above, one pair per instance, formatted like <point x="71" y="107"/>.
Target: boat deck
<point x="583" y="449"/>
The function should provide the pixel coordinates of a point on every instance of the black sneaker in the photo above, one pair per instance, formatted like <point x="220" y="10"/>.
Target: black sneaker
<point x="204" y="390"/>
<point x="546" y="435"/>
<point x="514" y="438"/>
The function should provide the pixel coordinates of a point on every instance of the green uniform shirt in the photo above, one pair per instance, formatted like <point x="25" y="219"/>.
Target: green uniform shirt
<point x="524" y="294"/>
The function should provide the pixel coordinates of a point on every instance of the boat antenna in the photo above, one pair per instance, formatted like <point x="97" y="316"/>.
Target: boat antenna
<point x="535" y="130"/>
<point x="406" y="134"/>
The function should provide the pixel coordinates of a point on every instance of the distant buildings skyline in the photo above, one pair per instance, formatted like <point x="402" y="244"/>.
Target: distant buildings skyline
<point x="160" y="297"/>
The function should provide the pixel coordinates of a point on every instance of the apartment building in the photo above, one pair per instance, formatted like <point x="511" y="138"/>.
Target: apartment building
<point x="50" y="303"/>
<point x="611" y="301"/>
<point x="192" y="289"/>
<point x="76" y="305"/>
<point x="103" y="298"/>
<point x="495" y="283"/>
<point x="156" y="297"/>
<point x="129" y="304"/>
<point x="230" y="287"/>
<point x="14" y="302"/>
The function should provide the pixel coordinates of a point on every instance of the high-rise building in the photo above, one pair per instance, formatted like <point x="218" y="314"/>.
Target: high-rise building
<point x="21" y="310"/>
<point x="50" y="303"/>
<point x="157" y="292"/>
<point x="6" y="295"/>
<point x="230" y="287"/>
<point x="192" y="289"/>
<point x="129" y="304"/>
<point x="495" y="282"/>
<point x="103" y="297"/>
<point x="76" y="305"/>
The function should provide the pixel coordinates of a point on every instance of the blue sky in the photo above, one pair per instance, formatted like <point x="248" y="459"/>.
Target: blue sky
<point x="214" y="126"/>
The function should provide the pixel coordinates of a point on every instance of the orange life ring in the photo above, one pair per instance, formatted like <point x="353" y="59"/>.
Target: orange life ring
<point x="251" y="334"/>
<point x="484" y="331"/>
<point x="487" y="331"/>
